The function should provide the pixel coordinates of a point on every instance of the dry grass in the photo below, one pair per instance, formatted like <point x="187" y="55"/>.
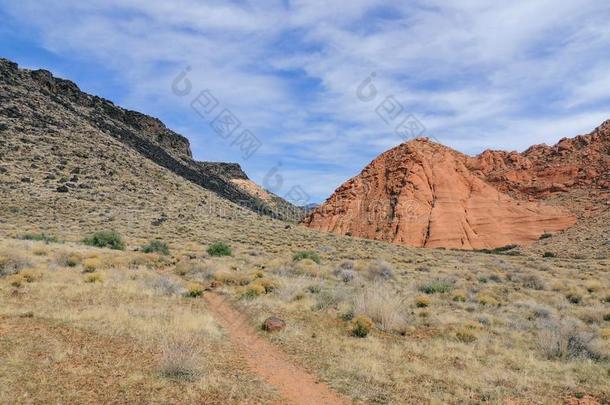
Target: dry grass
<point x="430" y="359"/>
<point x="127" y="339"/>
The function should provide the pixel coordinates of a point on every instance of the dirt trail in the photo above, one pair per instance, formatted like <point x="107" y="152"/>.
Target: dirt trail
<point x="294" y="383"/>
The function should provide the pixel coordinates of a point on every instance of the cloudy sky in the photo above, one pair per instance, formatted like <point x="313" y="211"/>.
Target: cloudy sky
<point x="325" y="84"/>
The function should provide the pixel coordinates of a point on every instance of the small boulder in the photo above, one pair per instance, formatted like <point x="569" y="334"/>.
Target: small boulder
<point x="63" y="189"/>
<point x="273" y="323"/>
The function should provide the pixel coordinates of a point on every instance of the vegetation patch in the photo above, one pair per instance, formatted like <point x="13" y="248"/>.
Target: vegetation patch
<point x="361" y="326"/>
<point x="105" y="239"/>
<point x="308" y="254"/>
<point x="219" y="249"/>
<point x="156" y="246"/>
<point x="436" y="287"/>
<point x="39" y="237"/>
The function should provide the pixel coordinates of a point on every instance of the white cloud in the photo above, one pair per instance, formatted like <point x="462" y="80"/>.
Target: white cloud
<point x="477" y="73"/>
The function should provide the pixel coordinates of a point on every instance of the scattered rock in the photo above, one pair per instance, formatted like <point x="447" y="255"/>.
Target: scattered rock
<point x="85" y="186"/>
<point x="26" y="179"/>
<point x="3" y="169"/>
<point x="63" y="189"/>
<point x="74" y="179"/>
<point x="273" y="324"/>
<point x="50" y="176"/>
<point x="159" y="221"/>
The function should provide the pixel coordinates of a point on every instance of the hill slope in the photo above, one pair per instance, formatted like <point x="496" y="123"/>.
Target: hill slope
<point x="39" y="105"/>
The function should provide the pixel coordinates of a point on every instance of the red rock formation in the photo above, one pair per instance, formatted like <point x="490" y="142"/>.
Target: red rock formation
<point x="583" y="161"/>
<point x="427" y="195"/>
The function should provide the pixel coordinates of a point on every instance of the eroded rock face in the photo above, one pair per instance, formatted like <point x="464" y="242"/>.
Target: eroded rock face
<point x="426" y="195"/>
<point x="583" y="161"/>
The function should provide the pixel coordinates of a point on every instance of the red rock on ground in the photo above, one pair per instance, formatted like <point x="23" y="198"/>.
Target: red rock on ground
<point x="273" y="324"/>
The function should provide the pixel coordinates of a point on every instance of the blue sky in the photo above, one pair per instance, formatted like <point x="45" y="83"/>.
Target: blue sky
<point x="475" y="74"/>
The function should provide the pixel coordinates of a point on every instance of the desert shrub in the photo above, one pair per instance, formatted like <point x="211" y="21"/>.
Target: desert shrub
<point x="165" y="286"/>
<point x="346" y="265"/>
<point x="254" y="290"/>
<point x="436" y="287"/>
<point x="11" y="263"/>
<point x="422" y="301"/>
<point x="328" y="299"/>
<point x="347" y="315"/>
<point x="72" y="260"/>
<point x="156" y="246"/>
<point x="567" y="339"/>
<point x="532" y="281"/>
<point x="267" y="284"/>
<point x="549" y="254"/>
<point x="382" y="305"/>
<point x="306" y="267"/>
<point x="40" y="237"/>
<point x="361" y="326"/>
<point x="379" y="270"/>
<point x="459" y="296"/>
<point x="40" y="252"/>
<point x="308" y="254"/>
<point x="314" y="288"/>
<point x="574" y="297"/>
<point x="546" y="235"/>
<point x="91" y="264"/>
<point x="345" y="275"/>
<point x="16" y="280"/>
<point x="487" y="299"/>
<point x="31" y="275"/>
<point x="230" y="277"/>
<point x="94" y="278"/>
<point x="180" y="358"/>
<point x="219" y="249"/>
<point x="607" y="317"/>
<point x="105" y="239"/>
<point x="194" y="290"/>
<point x="465" y="335"/>
<point x="540" y="312"/>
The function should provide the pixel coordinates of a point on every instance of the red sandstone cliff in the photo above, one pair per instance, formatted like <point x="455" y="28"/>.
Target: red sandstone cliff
<point x="427" y="195"/>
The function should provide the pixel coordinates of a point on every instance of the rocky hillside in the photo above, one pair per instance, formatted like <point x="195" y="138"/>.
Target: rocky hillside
<point x="34" y="105"/>
<point x="424" y="194"/>
<point x="583" y="161"/>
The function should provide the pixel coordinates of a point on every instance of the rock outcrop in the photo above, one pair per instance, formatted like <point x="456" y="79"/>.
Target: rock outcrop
<point x="583" y="161"/>
<point x="427" y="195"/>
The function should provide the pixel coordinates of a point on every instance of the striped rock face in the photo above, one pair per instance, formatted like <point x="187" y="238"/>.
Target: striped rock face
<point x="424" y="194"/>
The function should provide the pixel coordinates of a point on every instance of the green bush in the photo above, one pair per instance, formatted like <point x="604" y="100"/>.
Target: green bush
<point x="361" y="326"/>
<point x="549" y="254"/>
<point x="435" y="287"/>
<point x="546" y="235"/>
<point x="219" y="249"/>
<point x="308" y="254"/>
<point x="41" y="237"/>
<point x="105" y="239"/>
<point x="156" y="246"/>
